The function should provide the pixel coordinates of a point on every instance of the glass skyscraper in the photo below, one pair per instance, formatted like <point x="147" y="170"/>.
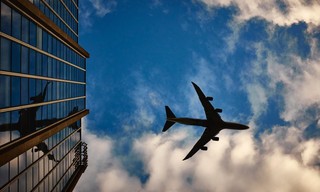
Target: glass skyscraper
<point x="42" y="96"/>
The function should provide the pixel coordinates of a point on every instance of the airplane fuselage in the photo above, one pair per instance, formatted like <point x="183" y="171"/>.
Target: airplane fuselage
<point x="217" y="126"/>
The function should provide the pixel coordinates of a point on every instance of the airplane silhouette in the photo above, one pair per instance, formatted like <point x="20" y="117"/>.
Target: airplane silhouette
<point x="28" y="124"/>
<point x="213" y="124"/>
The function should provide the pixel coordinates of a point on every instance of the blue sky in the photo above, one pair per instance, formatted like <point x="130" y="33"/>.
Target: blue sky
<point x="260" y="62"/>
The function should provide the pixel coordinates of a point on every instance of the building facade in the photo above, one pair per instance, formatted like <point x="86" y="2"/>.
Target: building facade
<point x="42" y="96"/>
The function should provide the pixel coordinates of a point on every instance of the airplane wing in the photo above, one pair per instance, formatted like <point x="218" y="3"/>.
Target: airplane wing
<point x="46" y="122"/>
<point x="204" y="139"/>
<point x="208" y="108"/>
<point x="8" y="127"/>
<point x="17" y="126"/>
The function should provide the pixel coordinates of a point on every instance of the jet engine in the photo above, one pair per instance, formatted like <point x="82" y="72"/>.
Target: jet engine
<point x="210" y="98"/>
<point x="204" y="148"/>
<point x="218" y="110"/>
<point x="215" y="138"/>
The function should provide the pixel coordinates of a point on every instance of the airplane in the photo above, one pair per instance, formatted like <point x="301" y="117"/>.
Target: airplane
<point x="213" y="124"/>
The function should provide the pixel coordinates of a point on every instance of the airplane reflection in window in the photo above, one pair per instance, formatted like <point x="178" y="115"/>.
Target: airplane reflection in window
<point x="27" y="122"/>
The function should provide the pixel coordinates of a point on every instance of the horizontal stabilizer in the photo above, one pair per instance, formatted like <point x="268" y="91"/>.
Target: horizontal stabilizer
<point x="168" y="124"/>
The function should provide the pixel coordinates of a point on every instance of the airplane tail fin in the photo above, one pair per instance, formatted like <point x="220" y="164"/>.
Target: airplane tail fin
<point x="168" y="124"/>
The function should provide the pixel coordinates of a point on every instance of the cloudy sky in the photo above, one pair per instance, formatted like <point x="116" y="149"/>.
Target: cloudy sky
<point x="259" y="60"/>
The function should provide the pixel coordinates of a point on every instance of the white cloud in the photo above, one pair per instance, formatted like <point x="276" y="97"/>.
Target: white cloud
<point x="258" y="98"/>
<point x="105" y="171"/>
<point x="278" y="12"/>
<point x="236" y="163"/>
<point x="145" y="100"/>
<point x="282" y="161"/>
<point x="102" y="7"/>
<point x="288" y="76"/>
<point x="92" y="8"/>
<point x="299" y="79"/>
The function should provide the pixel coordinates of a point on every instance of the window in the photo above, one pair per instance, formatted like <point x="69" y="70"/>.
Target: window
<point x="39" y="37"/>
<point x="5" y="135"/>
<point x="32" y="62"/>
<point x="32" y="34"/>
<point x="54" y="68"/>
<point x="16" y="24"/>
<point x="49" y="43"/>
<point x="39" y="87"/>
<point x="24" y="59"/>
<point x="16" y="57"/>
<point x="25" y="30"/>
<point x="5" y="19"/>
<point x="39" y="64"/>
<point x="24" y="91"/>
<point x="32" y="89"/>
<point x="5" y="54"/>
<point x="4" y="91"/>
<point x="15" y="91"/>
<point x="54" y="46"/>
<point x="50" y="67"/>
<point x="44" y="65"/>
<point x="45" y="41"/>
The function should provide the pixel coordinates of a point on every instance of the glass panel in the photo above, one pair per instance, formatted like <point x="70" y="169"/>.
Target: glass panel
<point x="39" y="37"/>
<point x="38" y="89"/>
<point x="5" y="18"/>
<point x="54" y="46"/>
<point x="49" y="43"/>
<point x="16" y="57"/>
<point x="39" y="64"/>
<point x="32" y="62"/>
<point x="5" y="54"/>
<point x="44" y="65"/>
<point x="44" y="110"/>
<point x="45" y="41"/>
<point x="15" y="91"/>
<point x="16" y="24"/>
<point x="15" y="130"/>
<point x="24" y="59"/>
<point x="54" y="68"/>
<point x="49" y="67"/>
<point x="4" y="129"/>
<point x="13" y="168"/>
<point x="4" y="91"/>
<point x="33" y="34"/>
<point x="25" y="30"/>
<point x="32" y="89"/>
<point x="24" y="91"/>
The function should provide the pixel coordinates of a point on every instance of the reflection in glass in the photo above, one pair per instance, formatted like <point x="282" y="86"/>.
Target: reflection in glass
<point x="39" y="37"/>
<point x="44" y="65"/>
<point x="32" y="62"/>
<point x="39" y="64"/>
<point x="4" y="128"/>
<point x="45" y="41"/>
<point x="16" y="57"/>
<point x="32" y="33"/>
<point x="24" y="59"/>
<point x="26" y="121"/>
<point x="5" y="19"/>
<point x="4" y="91"/>
<point x="25" y="29"/>
<point x="5" y="54"/>
<point x="15" y="91"/>
<point x="24" y="91"/>
<point x="16" y="24"/>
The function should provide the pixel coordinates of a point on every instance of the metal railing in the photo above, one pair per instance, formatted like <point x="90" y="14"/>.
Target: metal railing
<point x="81" y="155"/>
